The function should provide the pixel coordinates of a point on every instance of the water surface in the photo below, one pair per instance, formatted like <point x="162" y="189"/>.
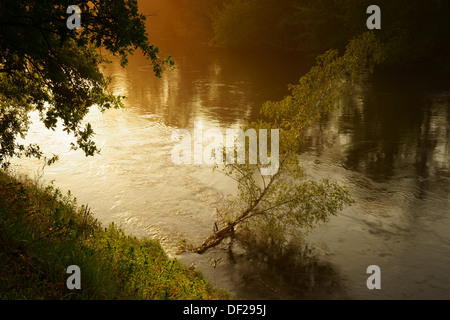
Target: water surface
<point x="389" y="141"/>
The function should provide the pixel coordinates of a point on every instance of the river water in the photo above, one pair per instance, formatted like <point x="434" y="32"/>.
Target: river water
<point x="389" y="141"/>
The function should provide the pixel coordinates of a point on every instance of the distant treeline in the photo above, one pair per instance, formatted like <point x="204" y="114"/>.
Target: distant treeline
<point x="413" y="31"/>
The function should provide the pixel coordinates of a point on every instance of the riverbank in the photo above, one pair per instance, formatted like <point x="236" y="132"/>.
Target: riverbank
<point x="43" y="232"/>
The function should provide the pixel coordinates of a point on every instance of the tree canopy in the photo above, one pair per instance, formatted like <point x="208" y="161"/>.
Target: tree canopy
<point x="287" y="203"/>
<point x="412" y="31"/>
<point x="47" y="67"/>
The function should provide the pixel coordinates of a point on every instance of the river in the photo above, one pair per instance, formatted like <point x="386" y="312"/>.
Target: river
<point x="389" y="141"/>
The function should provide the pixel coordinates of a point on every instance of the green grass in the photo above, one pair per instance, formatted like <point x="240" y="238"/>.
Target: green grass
<point x="42" y="232"/>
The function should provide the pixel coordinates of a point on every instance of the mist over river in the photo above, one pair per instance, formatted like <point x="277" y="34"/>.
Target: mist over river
<point x="390" y="141"/>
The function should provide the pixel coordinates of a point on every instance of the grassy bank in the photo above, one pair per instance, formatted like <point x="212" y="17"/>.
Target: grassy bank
<point x="43" y="232"/>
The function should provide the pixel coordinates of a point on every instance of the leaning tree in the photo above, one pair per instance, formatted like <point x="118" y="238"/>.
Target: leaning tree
<point x="287" y="203"/>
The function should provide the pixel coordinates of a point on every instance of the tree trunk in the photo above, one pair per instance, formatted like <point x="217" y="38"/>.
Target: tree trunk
<point x="215" y="238"/>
